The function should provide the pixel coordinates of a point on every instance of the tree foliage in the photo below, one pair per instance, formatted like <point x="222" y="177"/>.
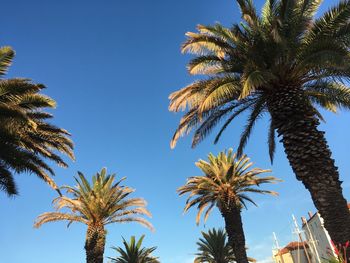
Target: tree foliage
<point x="27" y="138"/>
<point x="102" y="202"/>
<point x="226" y="182"/>
<point x="134" y="252"/>
<point x="283" y="47"/>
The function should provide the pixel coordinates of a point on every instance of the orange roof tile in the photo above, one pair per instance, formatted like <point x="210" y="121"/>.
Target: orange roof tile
<point x="294" y="245"/>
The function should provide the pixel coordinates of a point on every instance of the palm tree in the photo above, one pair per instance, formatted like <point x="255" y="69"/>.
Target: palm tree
<point x="214" y="248"/>
<point x="284" y="63"/>
<point x="26" y="136"/>
<point x="98" y="204"/>
<point x="225" y="184"/>
<point x="133" y="252"/>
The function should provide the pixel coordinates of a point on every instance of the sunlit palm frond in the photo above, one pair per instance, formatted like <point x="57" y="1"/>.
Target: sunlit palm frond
<point x="102" y="201"/>
<point x="329" y="95"/>
<point x="224" y="181"/>
<point x="56" y="216"/>
<point x="6" y="56"/>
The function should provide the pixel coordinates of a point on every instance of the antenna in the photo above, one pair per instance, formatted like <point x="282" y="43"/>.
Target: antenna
<point x="277" y="247"/>
<point x="301" y="239"/>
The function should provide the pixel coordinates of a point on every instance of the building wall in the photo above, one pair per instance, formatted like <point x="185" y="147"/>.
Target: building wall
<point x="320" y="235"/>
<point x="292" y="256"/>
<point x="287" y="258"/>
<point x="299" y="256"/>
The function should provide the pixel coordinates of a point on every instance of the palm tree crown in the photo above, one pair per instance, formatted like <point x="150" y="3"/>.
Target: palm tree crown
<point x="214" y="248"/>
<point x="247" y="64"/>
<point x="102" y="202"/>
<point x="226" y="182"/>
<point x="26" y="136"/>
<point x="133" y="252"/>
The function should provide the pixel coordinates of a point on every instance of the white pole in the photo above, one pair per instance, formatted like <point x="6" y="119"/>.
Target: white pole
<point x="301" y="239"/>
<point x="313" y="241"/>
<point x="278" y="246"/>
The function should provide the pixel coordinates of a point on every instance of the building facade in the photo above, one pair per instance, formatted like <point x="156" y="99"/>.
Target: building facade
<point x="294" y="252"/>
<point x="317" y="237"/>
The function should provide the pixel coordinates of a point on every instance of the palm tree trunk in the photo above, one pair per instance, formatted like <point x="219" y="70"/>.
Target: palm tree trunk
<point x="95" y="243"/>
<point x="310" y="158"/>
<point x="235" y="232"/>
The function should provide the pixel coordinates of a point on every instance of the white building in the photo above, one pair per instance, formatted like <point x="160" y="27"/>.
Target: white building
<point x="317" y="237"/>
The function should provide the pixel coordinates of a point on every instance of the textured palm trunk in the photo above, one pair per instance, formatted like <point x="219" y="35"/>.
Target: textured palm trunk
<point x="95" y="243"/>
<point x="310" y="158"/>
<point x="235" y="232"/>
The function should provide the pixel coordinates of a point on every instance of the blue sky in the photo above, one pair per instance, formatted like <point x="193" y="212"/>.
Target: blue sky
<point x="111" y="66"/>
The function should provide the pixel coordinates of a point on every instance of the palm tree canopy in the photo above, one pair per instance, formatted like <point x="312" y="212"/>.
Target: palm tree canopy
<point x="285" y="47"/>
<point x="133" y="252"/>
<point x="214" y="248"/>
<point x="26" y="136"/>
<point x="226" y="182"/>
<point x="102" y="202"/>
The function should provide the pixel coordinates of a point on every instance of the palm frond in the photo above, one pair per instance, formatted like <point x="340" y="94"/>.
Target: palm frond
<point x="103" y="201"/>
<point x="6" y="56"/>
<point x="224" y="180"/>
<point x="256" y="113"/>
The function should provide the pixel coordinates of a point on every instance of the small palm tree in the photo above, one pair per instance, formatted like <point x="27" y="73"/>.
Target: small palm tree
<point x="225" y="184"/>
<point x="98" y="204"/>
<point x="26" y="136"/>
<point x="133" y="252"/>
<point x="214" y="248"/>
<point x="284" y="63"/>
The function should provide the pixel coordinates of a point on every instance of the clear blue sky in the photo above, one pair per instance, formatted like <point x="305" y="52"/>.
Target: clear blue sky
<point x="111" y="66"/>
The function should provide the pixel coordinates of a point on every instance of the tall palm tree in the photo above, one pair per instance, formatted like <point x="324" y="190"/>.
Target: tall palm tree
<point x="214" y="248"/>
<point x="284" y="63"/>
<point x="225" y="184"/>
<point x="98" y="204"/>
<point x="26" y="136"/>
<point x="133" y="252"/>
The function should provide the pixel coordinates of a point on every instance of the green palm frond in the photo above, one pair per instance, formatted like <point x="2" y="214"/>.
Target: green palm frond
<point x="213" y="247"/>
<point x="256" y="112"/>
<point x="271" y="141"/>
<point x="213" y="118"/>
<point x="330" y="21"/>
<point x="133" y="252"/>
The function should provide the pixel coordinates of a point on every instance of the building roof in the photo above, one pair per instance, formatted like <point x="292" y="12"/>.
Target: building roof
<point x="294" y="245"/>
